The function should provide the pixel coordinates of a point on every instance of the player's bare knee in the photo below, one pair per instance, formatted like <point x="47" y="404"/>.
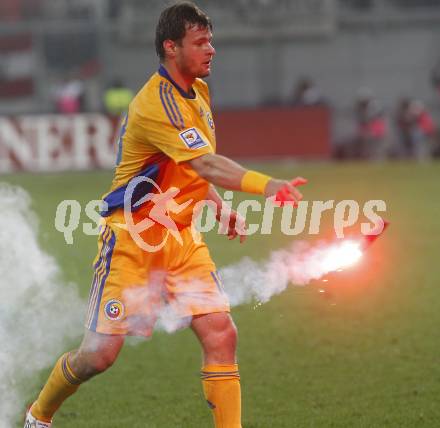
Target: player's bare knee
<point x="88" y="363"/>
<point x="85" y="366"/>
<point x="102" y="362"/>
<point x="230" y="337"/>
<point x="222" y="339"/>
<point x="231" y="334"/>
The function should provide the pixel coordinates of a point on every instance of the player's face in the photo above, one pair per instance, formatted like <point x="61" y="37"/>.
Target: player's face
<point x="195" y="52"/>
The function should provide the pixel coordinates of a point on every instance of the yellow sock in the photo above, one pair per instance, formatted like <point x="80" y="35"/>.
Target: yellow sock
<point x="221" y="384"/>
<point x="62" y="383"/>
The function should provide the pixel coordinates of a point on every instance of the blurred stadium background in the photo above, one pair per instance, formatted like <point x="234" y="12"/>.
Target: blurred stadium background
<point x="354" y="78"/>
<point x="318" y="80"/>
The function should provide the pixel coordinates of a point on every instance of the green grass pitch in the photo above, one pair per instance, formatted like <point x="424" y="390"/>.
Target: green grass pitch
<point x="364" y="355"/>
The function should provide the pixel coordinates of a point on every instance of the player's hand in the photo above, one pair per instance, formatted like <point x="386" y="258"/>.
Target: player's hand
<point x="285" y="191"/>
<point x="235" y="227"/>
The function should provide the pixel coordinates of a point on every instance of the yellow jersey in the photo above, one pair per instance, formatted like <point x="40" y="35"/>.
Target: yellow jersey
<point x="165" y="127"/>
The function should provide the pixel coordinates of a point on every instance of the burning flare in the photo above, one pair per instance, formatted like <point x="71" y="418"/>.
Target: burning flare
<point x="341" y="255"/>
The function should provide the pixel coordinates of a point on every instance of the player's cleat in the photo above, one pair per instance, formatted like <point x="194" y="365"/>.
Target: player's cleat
<point x="31" y="422"/>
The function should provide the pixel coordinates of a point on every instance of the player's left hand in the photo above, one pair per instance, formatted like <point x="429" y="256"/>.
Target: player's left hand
<point x="235" y="227"/>
<point x="286" y="192"/>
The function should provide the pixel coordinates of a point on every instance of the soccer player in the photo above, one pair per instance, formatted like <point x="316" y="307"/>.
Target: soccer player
<point x="167" y="140"/>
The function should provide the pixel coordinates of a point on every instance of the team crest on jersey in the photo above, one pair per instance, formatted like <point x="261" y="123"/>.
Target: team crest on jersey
<point x="114" y="310"/>
<point x="210" y="120"/>
<point x="192" y="139"/>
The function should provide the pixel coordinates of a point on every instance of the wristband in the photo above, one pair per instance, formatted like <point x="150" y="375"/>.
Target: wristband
<point x="254" y="182"/>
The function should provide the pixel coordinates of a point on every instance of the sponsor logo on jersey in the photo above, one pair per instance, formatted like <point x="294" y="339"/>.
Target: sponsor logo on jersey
<point x="114" y="310"/>
<point x="192" y="139"/>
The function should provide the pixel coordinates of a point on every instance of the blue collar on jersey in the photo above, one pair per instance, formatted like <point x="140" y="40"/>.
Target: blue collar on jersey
<point x="164" y="73"/>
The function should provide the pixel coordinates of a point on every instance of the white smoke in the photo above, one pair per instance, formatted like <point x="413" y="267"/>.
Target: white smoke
<point x="247" y="281"/>
<point x="164" y="312"/>
<point x="38" y="311"/>
<point x="302" y="262"/>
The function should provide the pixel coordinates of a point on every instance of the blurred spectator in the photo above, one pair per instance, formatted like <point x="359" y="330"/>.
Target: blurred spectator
<point x="371" y="127"/>
<point x="117" y="97"/>
<point x="69" y="96"/>
<point x="416" y="129"/>
<point x="306" y="93"/>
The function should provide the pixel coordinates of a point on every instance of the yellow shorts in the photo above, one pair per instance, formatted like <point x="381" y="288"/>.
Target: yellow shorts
<point x="133" y="288"/>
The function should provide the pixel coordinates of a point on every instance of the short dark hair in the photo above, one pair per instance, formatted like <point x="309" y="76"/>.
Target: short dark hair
<point x="174" y="20"/>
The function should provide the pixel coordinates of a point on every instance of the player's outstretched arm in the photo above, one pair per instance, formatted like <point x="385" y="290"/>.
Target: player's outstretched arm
<point x="224" y="172"/>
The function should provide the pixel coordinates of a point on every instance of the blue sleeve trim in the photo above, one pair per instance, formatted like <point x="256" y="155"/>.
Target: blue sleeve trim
<point x="121" y="139"/>
<point x="167" y="100"/>
<point x="161" y="93"/>
<point x="182" y="123"/>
